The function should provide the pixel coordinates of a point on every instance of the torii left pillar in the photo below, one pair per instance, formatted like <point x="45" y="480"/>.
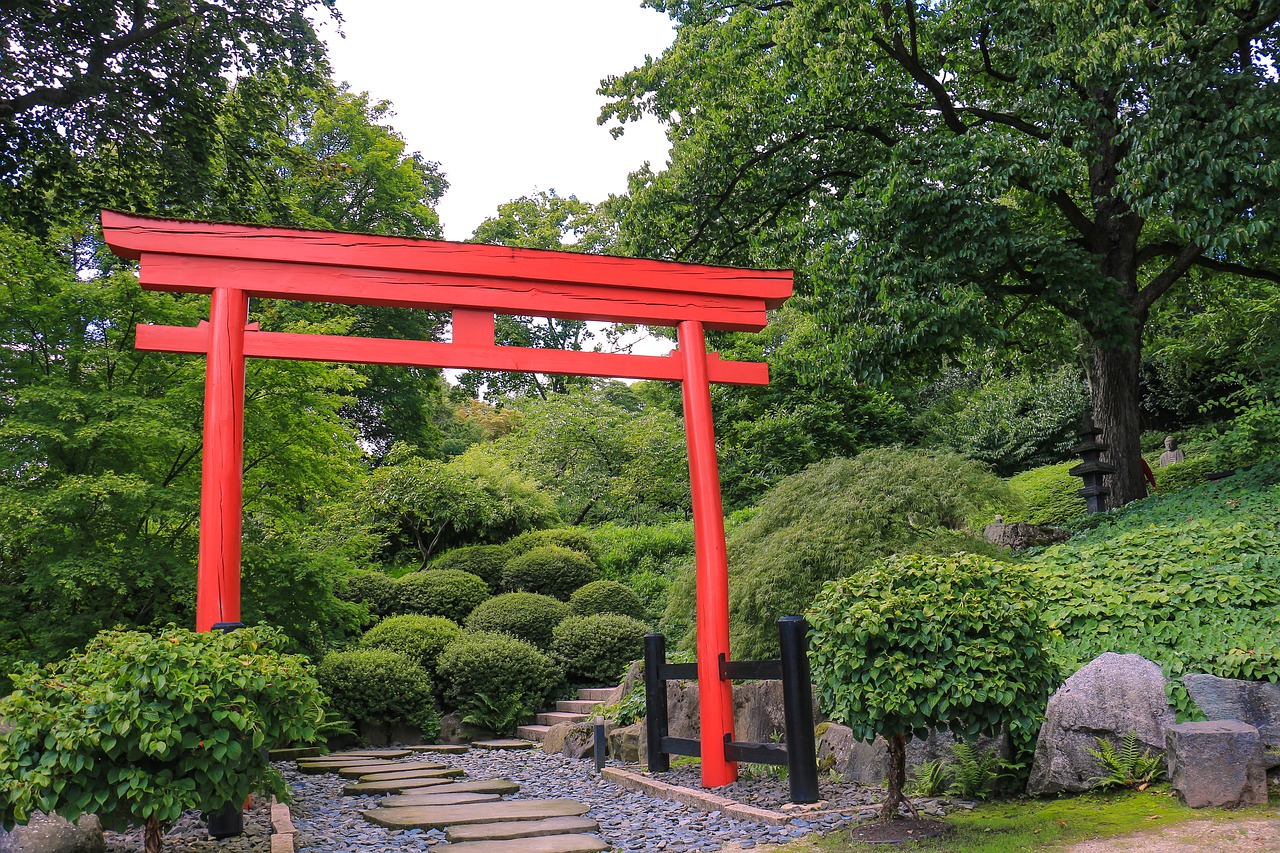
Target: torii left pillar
<point x="222" y="484"/>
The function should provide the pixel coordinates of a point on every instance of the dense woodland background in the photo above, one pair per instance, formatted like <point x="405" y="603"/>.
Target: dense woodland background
<point x="1002" y="216"/>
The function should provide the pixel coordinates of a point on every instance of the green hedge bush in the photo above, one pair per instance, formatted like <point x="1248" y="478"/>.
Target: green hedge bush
<point x="598" y="648"/>
<point x="549" y="570"/>
<point x="376" y="590"/>
<point x="419" y="638"/>
<point x="607" y="597"/>
<point x="380" y="688"/>
<point x="485" y="561"/>
<point x="447" y="592"/>
<point x="526" y="615"/>
<point x="1046" y="496"/>
<point x="573" y="538"/>
<point x="1186" y="474"/>
<point x="497" y="680"/>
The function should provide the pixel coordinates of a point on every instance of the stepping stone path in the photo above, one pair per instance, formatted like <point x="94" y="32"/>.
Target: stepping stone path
<point x="472" y="813"/>
<point x="446" y="748"/>
<point x="567" y="711"/>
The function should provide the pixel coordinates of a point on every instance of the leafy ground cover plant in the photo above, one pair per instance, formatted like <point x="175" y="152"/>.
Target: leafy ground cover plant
<point x="140" y="727"/>
<point x="915" y="643"/>
<point x="380" y="688"/>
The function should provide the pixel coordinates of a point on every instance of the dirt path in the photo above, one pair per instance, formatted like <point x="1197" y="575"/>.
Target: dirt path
<point x="1245" y="835"/>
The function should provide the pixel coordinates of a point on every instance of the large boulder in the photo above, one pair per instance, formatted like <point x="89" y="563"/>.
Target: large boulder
<point x="1216" y="764"/>
<point x="626" y="744"/>
<point x="757" y="710"/>
<point x="868" y="763"/>
<point x="52" y="834"/>
<point x="1254" y="702"/>
<point x="575" y="740"/>
<point x="1109" y="697"/>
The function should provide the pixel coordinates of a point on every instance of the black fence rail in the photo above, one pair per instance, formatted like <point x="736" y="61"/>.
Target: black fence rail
<point x="797" y="751"/>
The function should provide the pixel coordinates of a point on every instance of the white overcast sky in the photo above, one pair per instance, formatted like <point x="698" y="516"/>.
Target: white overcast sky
<point x="502" y="93"/>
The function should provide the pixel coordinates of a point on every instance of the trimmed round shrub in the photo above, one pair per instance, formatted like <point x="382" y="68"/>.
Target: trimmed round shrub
<point x="445" y="592"/>
<point x="419" y="638"/>
<point x="607" y="597"/>
<point x="1047" y="496"/>
<point x="496" y="680"/>
<point x="526" y="615"/>
<point x="485" y="561"/>
<point x="371" y="588"/>
<point x="598" y="648"/>
<point x="380" y="688"/>
<point x="573" y="538"/>
<point x="1186" y="474"/>
<point x="549" y="570"/>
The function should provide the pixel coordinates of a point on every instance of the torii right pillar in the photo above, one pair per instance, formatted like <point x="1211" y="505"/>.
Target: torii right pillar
<point x="715" y="695"/>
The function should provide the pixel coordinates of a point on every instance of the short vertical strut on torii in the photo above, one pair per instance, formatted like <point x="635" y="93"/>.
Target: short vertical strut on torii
<point x="233" y="263"/>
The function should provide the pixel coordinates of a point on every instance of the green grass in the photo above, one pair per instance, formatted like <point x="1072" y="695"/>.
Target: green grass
<point x="1042" y="825"/>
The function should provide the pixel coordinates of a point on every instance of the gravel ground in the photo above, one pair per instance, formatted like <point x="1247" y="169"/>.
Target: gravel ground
<point x="189" y="835"/>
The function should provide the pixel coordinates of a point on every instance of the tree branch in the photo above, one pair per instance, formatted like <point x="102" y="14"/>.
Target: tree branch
<point x="1158" y="286"/>
<point x="983" y="35"/>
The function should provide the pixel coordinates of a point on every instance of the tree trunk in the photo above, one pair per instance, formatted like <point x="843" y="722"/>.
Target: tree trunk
<point x="154" y="838"/>
<point x="1113" y="381"/>
<point x="897" y="777"/>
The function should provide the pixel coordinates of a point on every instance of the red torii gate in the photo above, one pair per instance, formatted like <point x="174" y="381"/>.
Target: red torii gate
<point x="235" y="262"/>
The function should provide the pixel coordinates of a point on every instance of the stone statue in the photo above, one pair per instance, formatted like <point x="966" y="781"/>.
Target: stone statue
<point x="1171" y="453"/>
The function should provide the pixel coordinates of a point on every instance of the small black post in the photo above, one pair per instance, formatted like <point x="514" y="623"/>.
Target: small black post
<point x="228" y="821"/>
<point x="655" y="702"/>
<point x="797" y="704"/>
<point x="599" y="744"/>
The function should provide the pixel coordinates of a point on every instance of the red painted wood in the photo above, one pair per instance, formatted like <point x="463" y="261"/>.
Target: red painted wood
<point x="218" y="572"/>
<point x="715" y="708"/>
<point x="129" y="236"/>
<point x="428" y="354"/>
<point x="445" y="291"/>
<point x="472" y="328"/>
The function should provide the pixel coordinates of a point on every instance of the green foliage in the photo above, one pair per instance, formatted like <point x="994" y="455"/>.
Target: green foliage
<point x="931" y="779"/>
<point x="140" y="727"/>
<point x="500" y="715"/>
<point x="577" y="539"/>
<point x="1186" y="474"/>
<point x="497" y="665"/>
<point x="607" y="597"/>
<point x="976" y="775"/>
<point x="549" y="570"/>
<point x="1045" y="496"/>
<point x="484" y="561"/>
<point x="624" y="551"/>
<point x="526" y="615"/>
<point x="630" y="709"/>
<point x="375" y="589"/>
<point x="440" y="592"/>
<point x="419" y="638"/>
<point x="1127" y="767"/>
<point x="597" y="649"/>
<point x="1189" y="580"/>
<point x="380" y="688"/>
<point x="832" y="520"/>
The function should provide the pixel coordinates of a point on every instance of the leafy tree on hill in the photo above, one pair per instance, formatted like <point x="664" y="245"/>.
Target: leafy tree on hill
<point x="941" y="172"/>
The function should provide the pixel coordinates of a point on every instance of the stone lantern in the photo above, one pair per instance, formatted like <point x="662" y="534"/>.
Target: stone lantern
<point x="1092" y="470"/>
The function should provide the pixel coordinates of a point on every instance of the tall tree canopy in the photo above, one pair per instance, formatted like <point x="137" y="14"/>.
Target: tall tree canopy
<point x="946" y="170"/>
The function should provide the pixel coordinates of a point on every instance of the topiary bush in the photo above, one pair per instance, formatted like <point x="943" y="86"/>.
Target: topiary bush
<point x="526" y="615"/>
<point x="381" y="688"/>
<point x="446" y="592"/>
<point x="549" y="570"/>
<point x="573" y="538"/>
<point x="139" y="728"/>
<point x="607" y="597"/>
<point x="1046" y="496"/>
<point x="915" y="643"/>
<point x="484" y="672"/>
<point x="598" y="648"/>
<point x="484" y="561"/>
<point x="419" y="638"/>
<point x="374" y="589"/>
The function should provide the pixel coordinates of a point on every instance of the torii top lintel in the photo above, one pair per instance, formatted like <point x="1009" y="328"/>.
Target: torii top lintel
<point x="284" y="263"/>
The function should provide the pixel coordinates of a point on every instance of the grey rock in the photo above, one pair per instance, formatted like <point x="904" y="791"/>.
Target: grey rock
<point x="627" y="744"/>
<point x="1217" y="763"/>
<point x="453" y="730"/>
<point x="1254" y="702"/>
<point x="1109" y="697"/>
<point x="634" y="676"/>
<point x="573" y="740"/>
<point x="868" y="763"/>
<point x="1020" y="536"/>
<point x="52" y="834"/>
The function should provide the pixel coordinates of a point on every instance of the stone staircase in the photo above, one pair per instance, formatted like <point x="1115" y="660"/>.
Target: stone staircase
<point x="567" y="711"/>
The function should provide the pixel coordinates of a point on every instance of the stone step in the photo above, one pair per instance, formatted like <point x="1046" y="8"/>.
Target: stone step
<point x="431" y="797"/>
<point x="334" y="766"/>
<point x="355" y="771"/>
<point x="508" y="830"/>
<point x="446" y="748"/>
<point x="438" y="817"/>
<point x="576" y="706"/>
<point x="397" y="786"/>
<point x="595" y="694"/>
<point x="471" y="786"/>
<point x="293" y="753"/>
<point x="551" y="718"/>
<point x="504" y="743"/>
<point x="532" y="732"/>
<point x="392" y="775"/>
<point x="370" y="753"/>
<point x="543" y="844"/>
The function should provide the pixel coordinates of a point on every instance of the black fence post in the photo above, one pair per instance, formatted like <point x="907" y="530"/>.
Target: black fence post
<point x="228" y="821"/>
<point x="797" y="703"/>
<point x="655" y="702"/>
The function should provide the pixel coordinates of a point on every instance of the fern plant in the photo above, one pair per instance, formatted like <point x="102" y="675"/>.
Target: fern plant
<point x="500" y="716"/>
<point x="1128" y="767"/>
<point x="976" y="775"/>
<point x="932" y="778"/>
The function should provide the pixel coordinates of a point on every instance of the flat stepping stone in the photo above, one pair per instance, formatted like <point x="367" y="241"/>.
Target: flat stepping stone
<point x="544" y="844"/>
<point x="504" y="743"/>
<point x="356" y="771"/>
<point x="294" y="753"/>
<point x="508" y="830"/>
<point x="396" y="786"/>
<point x="392" y="776"/>
<point x="474" y="786"/>
<point x="446" y="748"/>
<point x="335" y="766"/>
<point x="371" y="753"/>
<point x="438" y="817"/>
<point x="431" y="797"/>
